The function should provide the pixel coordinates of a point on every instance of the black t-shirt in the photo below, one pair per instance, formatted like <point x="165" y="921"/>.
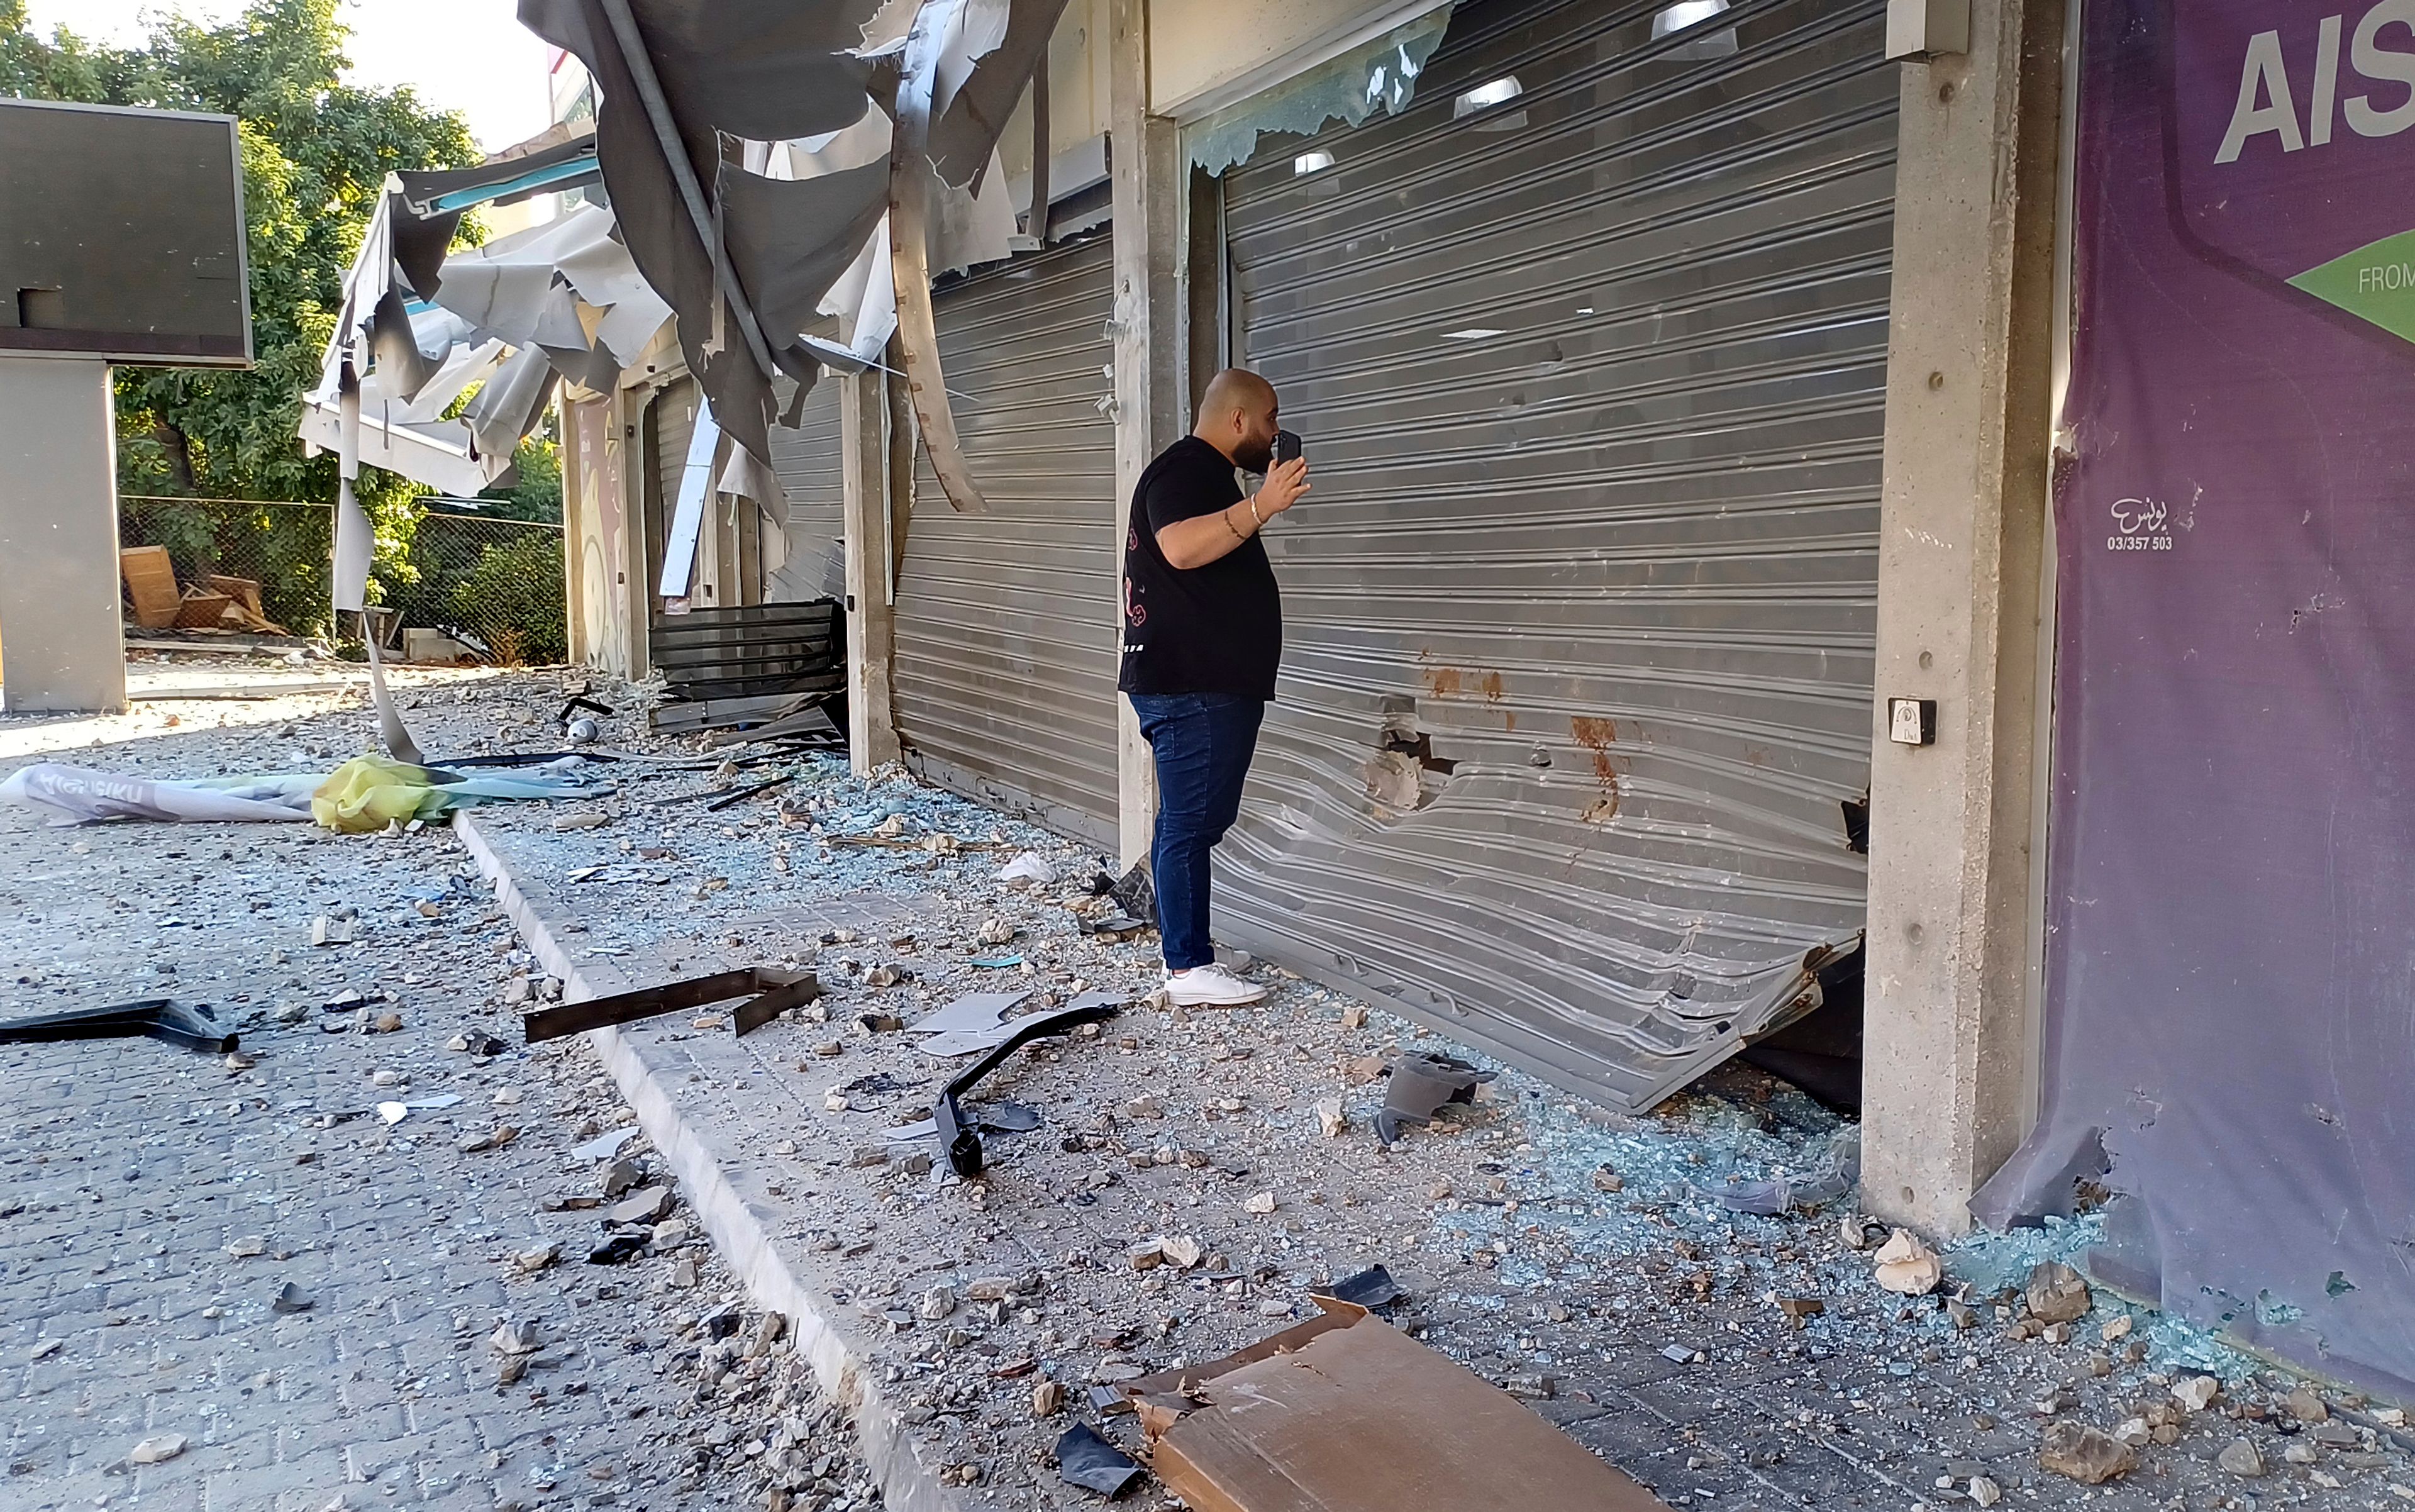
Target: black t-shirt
<point x="1211" y="629"/>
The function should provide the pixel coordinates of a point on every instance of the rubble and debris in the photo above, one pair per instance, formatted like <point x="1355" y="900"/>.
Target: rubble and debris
<point x="774" y="992"/>
<point x="511" y="1338"/>
<point x="1373" y="1289"/>
<point x="1838" y="1173"/>
<point x="1420" y="1086"/>
<point x="291" y="1298"/>
<point x="1085" y="1460"/>
<point x="157" y="1449"/>
<point x="962" y="1145"/>
<point x="2241" y="1457"/>
<point x="2087" y="1455"/>
<point x="619" y="1248"/>
<point x="193" y="1026"/>
<point x="972" y="1023"/>
<point x="1030" y="868"/>
<point x="1907" y="1267"/>
<point x="2056" y="1292"/>
<point x="648" y="1208"/>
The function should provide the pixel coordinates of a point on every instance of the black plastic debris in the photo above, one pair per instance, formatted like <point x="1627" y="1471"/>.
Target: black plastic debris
<point x="956" y="1133"/>
<point x="619" y="1248"/>
<point x="194" y="1026"/>
<point x="1420" y="1084"/>
<point x="291" y="1298"/>
<point x="1372" y="1288"/>
<point x="1134" y="892"/>
<point x="1005" y="1117"/>
<point x="1090" y="1462"/>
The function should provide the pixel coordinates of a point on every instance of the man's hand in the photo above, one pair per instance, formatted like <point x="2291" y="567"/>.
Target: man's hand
<point x="1284" y="483"/>
<point x="1195" y="543"/>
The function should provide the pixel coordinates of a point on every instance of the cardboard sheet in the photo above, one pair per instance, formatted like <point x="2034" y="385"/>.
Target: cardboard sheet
<point x="1345" y="1412"/>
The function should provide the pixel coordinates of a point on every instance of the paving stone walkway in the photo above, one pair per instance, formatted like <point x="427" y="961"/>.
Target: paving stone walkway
<point x="154" y="1202"/>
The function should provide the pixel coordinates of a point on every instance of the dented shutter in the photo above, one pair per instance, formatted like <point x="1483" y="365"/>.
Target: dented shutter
<point x="1006" y="631"/>
<point x="1588" y="345"/>
<point x="809" y="463"/>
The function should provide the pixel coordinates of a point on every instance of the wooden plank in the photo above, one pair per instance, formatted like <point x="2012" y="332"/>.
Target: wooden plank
<point x="151" y="582"/>
<point x="200" y="609"/>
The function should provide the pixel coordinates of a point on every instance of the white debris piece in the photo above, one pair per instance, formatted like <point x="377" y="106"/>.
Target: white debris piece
<point x="1029" y="867"/>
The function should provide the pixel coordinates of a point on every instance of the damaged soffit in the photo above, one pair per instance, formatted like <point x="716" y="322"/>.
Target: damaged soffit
<point x="1370" y="77"/>
<point x="747" y="250"/>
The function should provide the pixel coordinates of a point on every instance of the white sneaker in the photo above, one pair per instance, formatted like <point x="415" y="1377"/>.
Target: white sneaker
<point x="1209" y="986"/>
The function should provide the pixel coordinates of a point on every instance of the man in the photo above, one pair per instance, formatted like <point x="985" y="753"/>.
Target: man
<point x="1203" y="631"/>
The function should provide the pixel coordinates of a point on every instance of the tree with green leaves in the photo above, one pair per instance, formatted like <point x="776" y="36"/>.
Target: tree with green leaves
<point x="316" y="151"/>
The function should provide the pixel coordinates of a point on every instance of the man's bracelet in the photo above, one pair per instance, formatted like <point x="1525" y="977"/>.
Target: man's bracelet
<point x="1254" y="512"/>
<point x="1226" y="516"/>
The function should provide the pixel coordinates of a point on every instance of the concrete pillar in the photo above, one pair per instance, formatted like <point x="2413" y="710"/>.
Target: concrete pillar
<point x="867" y="472"/>
<point x="1949" y="1085"/>
<point x="1147" y="182"/>
<point x="61" y="634"/>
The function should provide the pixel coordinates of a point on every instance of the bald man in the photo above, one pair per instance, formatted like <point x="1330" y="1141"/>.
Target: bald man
<point x="1203" y="631"/>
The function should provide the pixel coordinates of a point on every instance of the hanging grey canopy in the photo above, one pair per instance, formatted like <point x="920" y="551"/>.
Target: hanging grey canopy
<point x="690" y="91"/>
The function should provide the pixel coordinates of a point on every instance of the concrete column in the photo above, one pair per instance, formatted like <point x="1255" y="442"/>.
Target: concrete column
<point x="1146" y="183"/>
<point x="61" y="634"/>
<point x="1949" y="1080"/>
<point x="871" y="579"/>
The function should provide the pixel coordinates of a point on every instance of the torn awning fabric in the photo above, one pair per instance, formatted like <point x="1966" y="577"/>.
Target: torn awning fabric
<point x="748" y="250"/>
<point x="561" y="300"/>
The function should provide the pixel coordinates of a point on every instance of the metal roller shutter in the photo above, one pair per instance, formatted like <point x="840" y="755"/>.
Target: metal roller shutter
<point x="809" y="464"/>
<point x="1006" y="633"/>
<point x="1580" y="610"/>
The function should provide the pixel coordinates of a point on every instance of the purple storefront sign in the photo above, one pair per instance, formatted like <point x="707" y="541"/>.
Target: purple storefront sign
<point x="2230" y="959"/>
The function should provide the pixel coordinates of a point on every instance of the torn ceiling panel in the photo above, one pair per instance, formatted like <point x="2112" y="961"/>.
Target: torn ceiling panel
<point x="522" y="288"/>
<point x="973" y="115"/>
<point x="790" y="239"/>
<point x="746" y="272"/>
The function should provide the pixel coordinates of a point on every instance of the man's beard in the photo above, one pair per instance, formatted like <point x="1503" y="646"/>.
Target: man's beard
<point x="1257" y="456"/>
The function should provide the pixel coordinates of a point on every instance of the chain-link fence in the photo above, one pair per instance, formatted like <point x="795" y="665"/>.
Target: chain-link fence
<point x="495" y="585"/>
<point x="492" y="585"/>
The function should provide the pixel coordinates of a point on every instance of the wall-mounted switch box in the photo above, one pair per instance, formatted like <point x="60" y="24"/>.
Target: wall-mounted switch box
<point x="1922" y="29"/>
<point x="1911" y="721"/>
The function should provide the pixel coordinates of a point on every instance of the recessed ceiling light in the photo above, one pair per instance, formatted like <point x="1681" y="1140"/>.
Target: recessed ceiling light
<point x="1484" y="96"/>
<point x="1687" y="13"/>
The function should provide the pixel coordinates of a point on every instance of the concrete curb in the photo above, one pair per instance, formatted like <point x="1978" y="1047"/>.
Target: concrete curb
<point x="743" y="1235"/>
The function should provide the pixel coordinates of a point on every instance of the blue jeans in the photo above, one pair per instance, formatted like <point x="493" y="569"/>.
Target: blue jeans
<point x="1202" y="742"/>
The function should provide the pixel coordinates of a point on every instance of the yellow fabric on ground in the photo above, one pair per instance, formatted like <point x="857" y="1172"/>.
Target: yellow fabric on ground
<point x="366" y="794"/>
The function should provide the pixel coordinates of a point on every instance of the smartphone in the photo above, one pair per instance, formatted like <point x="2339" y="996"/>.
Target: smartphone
<point x="1286" y="447"/>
